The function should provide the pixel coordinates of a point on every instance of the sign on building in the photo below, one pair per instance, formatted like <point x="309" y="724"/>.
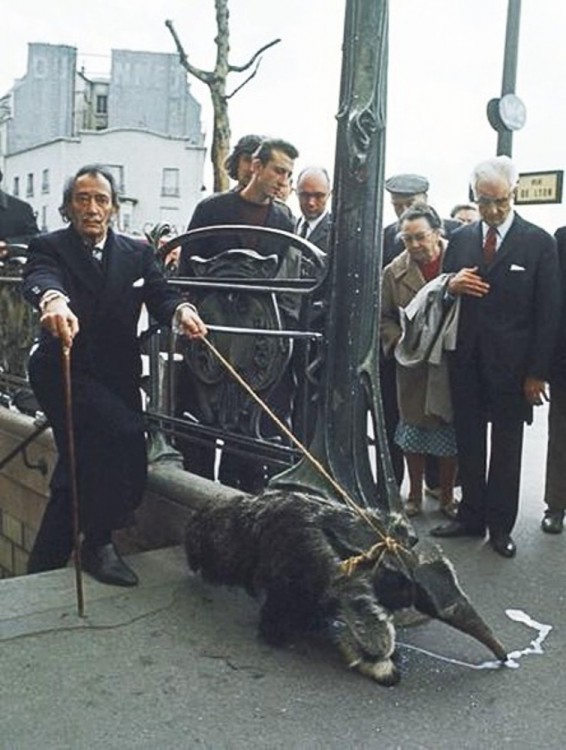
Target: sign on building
<point x="539" y="187"/>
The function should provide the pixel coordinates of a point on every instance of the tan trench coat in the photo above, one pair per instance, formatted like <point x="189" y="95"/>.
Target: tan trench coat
<point x="402" y="279"/>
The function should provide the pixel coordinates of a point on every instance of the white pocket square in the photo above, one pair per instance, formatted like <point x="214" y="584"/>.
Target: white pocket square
<point x="139" y="282"/>
<point x="515" y="267"/>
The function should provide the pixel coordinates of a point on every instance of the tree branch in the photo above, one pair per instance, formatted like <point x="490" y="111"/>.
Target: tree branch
<point x="203" y="75"/>
<point x="248" y="79"/>
<point x="241" y="68"/>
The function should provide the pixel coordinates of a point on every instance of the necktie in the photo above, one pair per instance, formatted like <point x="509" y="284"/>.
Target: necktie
<point x="490" y="245"/>
<point x="304" y="229"/>
<point x="95" y="252"/>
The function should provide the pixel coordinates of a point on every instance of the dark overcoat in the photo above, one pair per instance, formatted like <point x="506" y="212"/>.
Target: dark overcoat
<point x="513" y="327"/>
<point x="558" y="368"/>
<point x="105" y="362"/>
<point x="17" y="221"/>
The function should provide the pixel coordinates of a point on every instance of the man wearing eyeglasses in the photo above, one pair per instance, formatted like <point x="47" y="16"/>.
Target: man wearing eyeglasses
<point x="313" y="191"/>
<point x="506" y="272"/>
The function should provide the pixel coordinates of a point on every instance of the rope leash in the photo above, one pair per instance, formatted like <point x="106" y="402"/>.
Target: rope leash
<point x="374" y="554"/>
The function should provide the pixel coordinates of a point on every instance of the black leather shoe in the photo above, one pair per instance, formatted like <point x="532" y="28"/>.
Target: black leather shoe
<point x="105" y="564"/>
<point x="503" y="545"/>
<point x="553" y="522"/>
<point x="454" y="529"/>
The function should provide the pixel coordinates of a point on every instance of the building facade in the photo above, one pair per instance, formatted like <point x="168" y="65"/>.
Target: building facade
<point x="143" y="123"/>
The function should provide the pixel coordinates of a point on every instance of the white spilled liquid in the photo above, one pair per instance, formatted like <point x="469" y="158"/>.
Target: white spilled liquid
<point x="535" y="646"/>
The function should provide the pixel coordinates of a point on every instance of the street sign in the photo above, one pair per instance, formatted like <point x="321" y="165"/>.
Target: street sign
<point x="539" y="187"/>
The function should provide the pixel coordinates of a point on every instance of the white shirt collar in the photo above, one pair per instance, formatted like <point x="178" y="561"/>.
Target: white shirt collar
<point x="313" y="223"/>
<point x="502" y="229"/>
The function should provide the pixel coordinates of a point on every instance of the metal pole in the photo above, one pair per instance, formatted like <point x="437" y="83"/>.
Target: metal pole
<point x="505" y="137"/>
<point x="350" y="383"/>
<point x="66" y="361"/>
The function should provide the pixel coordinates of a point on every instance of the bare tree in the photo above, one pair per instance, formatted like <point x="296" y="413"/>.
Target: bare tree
<point x="216" y="81"/>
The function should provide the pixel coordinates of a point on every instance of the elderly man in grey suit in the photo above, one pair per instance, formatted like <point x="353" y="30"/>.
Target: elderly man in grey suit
<point x="506" y="271"/>
<point x="313" y="191"/>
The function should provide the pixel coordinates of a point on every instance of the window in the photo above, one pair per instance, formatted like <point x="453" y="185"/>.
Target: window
<point x="29" y="185"/>
<point x="117" y="171"/>
<point x="45" y="181"/>
<point x="101" y="104"/>
<point x="40" y="68"/>
<point x="170" y="184"/>
<point x="16" y="189"/>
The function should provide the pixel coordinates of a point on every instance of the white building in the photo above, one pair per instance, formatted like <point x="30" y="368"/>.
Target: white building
<point x="159" y="178"/>
<point x="142" y="123"/>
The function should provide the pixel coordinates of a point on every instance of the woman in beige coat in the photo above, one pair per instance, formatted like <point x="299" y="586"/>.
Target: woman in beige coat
<point x="418" y="433"/>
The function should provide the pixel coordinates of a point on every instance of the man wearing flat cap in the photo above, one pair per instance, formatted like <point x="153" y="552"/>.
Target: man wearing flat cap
<point x="406" y="190"/>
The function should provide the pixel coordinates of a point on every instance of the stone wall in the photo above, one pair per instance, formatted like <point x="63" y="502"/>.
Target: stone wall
<point x="171" y="495"/>
<point x="23" y="490"/>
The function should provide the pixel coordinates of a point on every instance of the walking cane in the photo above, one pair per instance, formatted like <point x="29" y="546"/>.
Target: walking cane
<point x="66" y="358"/>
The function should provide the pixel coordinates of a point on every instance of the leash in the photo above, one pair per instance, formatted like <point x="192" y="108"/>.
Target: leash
<point x="66" y="363"/>
<point x="386" y="543"/>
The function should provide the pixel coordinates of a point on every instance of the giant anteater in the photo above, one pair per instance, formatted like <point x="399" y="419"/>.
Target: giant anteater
<point x="307" y="557"/>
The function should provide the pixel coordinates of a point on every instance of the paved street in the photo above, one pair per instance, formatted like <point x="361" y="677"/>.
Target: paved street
<point x="176" y="663"/>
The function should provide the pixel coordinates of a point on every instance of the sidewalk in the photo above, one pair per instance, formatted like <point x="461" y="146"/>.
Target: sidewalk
<point x="176" y="664"/>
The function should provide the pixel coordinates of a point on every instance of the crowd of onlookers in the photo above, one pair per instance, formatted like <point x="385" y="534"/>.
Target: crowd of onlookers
<point x="471" y="336"/>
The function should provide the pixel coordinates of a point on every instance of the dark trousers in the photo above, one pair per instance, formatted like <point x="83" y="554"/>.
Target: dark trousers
<point x="111" y="462"/>
<point x="388" y="383"/>
<point x="490" y="484"/>
<point x="555" y="483"/>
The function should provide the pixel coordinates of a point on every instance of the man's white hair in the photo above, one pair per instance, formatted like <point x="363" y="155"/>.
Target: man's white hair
<point x="496" y="168"/>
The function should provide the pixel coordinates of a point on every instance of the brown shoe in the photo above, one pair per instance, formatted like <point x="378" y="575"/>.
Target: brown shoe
<point x="414" y="506"/>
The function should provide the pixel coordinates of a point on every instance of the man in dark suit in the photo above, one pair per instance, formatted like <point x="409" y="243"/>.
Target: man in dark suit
<point x="17" y="221"/>
<point x="555" y="480"/>
<point x="89" y="285"/>
<point x="506" y="272"/>
<point x="315" y="224"/>
<point x="313" y="191"/>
